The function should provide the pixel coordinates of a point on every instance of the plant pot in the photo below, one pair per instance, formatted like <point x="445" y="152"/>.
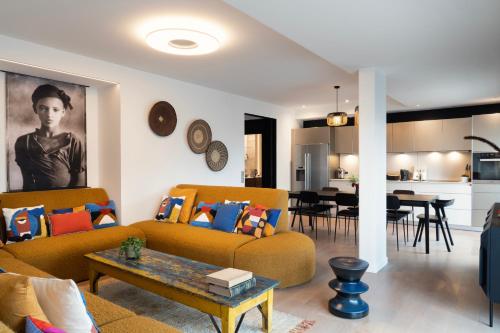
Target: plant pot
<point x="464" y="179"/>
<point x="131" y="254"/>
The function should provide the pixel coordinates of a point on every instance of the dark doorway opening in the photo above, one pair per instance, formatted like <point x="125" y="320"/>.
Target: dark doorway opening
<point x="260" y="151"/>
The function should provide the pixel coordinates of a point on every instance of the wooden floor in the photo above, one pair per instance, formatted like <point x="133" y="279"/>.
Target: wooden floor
<point x="415" y="292"/>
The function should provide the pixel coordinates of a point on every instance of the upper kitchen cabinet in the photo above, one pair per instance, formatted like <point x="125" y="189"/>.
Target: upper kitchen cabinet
<point x="486" y="126"/>
<point x="403" y="137"/>
<point x="428" y="135"/>
<point x="388" y="130"/>
<point x="453" y="134"/>
<point x="344" y="140"/>
<point x="313" y="135"/>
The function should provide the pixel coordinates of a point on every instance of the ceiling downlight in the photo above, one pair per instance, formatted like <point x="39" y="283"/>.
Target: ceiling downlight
<point x="185" y="42"/>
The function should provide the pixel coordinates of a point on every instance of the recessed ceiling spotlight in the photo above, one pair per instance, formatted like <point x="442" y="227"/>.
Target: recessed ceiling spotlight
<point x="182" y="41"/>
<point x="303" y="106"/>
<point x="347" y="101"/>
<point x="418" y="105"/>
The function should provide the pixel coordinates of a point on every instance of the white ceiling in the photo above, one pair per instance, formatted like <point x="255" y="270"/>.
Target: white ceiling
<point x="290" y="52"/>
<point x="254" y="61"/>
<point x="435" y="53"/>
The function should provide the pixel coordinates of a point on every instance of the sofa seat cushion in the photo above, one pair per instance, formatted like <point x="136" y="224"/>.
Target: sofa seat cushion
<point x="137" y="324"/>
<point x="5" y="254"/>
<point x="104" y="311"/>
<point x="62" y="256"/>
<point x="14" y="265"/>
<point x="287" y="256"/>
<point x="201" y="244"/>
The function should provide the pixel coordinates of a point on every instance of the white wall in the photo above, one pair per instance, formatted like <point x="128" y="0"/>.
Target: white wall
<point x="149" y="165"/>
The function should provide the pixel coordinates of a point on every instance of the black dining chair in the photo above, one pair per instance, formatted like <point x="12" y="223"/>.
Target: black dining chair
<point x="412" y="211"/>
<point x="395" y="214"/>
<point x="439" y="219"/>
<point x="309" y="205"/>
<point x="351" y="201"/>
<point x="294" y="209"/>
<point x="329" y="203"/>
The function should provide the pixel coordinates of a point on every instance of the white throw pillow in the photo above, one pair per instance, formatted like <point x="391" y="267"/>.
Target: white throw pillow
<point x="63" y="305"/>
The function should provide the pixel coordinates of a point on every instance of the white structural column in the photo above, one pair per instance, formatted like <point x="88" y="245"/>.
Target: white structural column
<point x="372" y="168"/>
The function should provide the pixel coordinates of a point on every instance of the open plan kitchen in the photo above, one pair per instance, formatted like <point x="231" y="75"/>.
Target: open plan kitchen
<point x="424" y="156"/>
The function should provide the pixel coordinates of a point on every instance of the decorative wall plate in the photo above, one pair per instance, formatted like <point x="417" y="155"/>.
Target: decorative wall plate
<point x="162" y="118"/>
<point x="199" y="136"/>
<point x="216" y="156"/>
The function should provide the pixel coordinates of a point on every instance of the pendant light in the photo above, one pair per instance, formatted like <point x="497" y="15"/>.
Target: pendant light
<point x="337" y="118"/>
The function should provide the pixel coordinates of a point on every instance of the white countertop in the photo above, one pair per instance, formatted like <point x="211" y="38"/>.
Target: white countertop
<point x="414" y="181"/>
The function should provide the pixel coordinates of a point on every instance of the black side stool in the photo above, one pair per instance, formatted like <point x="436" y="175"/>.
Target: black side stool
<point x="348" y="303"/>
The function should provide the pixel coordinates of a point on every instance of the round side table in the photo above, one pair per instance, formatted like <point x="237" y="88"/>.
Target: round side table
<point x="348" y="303"/>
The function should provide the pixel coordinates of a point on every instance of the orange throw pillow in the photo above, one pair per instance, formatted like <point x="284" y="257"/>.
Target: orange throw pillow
<point x="17" y="301"/>
<point x="189" y="195"/>
<point x="68" y="223"/>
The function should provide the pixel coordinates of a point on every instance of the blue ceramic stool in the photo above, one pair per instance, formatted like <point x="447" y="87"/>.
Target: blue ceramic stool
<point x="348" y="303"/>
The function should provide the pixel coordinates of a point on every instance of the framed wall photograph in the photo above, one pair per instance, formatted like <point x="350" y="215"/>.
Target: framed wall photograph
<point x="46" y="134"/>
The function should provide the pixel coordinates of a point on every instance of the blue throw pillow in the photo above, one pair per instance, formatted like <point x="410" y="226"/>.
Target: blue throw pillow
<point x="2" y="270"/>
<point x="226" y="217"/>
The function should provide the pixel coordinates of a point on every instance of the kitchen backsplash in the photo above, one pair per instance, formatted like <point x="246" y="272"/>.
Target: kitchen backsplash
<point x="439" y="165"/>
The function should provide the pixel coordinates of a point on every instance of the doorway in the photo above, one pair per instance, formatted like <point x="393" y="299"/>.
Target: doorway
<point x="260" y="151"/>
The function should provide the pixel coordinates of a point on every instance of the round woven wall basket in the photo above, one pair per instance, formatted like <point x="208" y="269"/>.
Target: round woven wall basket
<point x="216" y="156"/>
<point x="162" y="118"/>
<point x="199" y="136"/>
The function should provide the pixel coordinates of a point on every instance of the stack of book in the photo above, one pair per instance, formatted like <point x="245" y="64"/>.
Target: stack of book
<point x="230" y="282"/>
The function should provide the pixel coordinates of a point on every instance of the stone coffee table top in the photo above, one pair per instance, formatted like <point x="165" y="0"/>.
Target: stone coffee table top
<point x="178" y="272"/>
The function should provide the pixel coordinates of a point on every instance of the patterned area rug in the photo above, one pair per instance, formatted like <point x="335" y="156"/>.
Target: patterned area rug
<point x="187" y="319"/>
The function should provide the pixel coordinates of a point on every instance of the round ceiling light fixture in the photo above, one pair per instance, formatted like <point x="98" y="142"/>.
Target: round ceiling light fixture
<point x="182" y="41"/>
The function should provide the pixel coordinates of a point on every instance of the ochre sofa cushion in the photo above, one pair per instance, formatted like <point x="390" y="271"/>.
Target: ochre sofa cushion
<point x="63" y="256"/>
<point x="287" y="256"/>
<point x="270" y="198"/>
<point x="5" y="254"/>
<point x="14" y="265"/>
<point x="137" y="324"/>
<point x="189" y="197"/>
<point x="104" y="311"/>
<point x="201" y="244"/>
<point x="17" y="301"/>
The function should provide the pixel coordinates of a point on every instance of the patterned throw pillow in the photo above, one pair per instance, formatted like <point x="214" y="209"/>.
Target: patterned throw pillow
<point x="25" y="223"/>
<point x="103" y="214"/>
<point x="68" y="210"/>
<point x="204" y="214"/>
<point x="273" y="216"/>
<point x="34" y="325"/>
<point x="170" y="209"/>
<point x="258" y="221"/>
<point x="252" y="222"/>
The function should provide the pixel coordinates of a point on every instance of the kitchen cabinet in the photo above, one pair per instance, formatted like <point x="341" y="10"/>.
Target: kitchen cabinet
<point x="486" y="126"/>
<point x="344" y="140"/>
<point x="403" y="137"/>
<point x="388" y="129"/>
<point x="313" y="135"/>
<point x="460" y="213"/>
<point x="453" y="134"/>
<point x="428" y="135"/>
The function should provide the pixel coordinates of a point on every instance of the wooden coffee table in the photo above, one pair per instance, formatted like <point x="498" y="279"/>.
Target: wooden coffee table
<point x="183" y="280"/>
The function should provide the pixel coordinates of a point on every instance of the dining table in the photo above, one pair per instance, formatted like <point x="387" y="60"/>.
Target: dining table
<point x="415" y="200"/>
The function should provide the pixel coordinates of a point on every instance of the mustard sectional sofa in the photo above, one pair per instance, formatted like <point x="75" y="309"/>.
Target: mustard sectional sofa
<point x="286" y="256"/>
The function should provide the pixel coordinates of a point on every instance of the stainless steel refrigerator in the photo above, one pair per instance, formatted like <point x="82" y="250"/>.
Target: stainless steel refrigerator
<point x="310" y="167"/>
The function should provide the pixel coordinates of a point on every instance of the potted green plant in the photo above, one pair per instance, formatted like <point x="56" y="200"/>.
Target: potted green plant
<point x="355" y="183"/>
<point x="131" y="248"/>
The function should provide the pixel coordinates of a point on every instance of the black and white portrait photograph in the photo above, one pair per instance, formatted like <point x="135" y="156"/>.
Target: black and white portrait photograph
<point x="46" y="134"/>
